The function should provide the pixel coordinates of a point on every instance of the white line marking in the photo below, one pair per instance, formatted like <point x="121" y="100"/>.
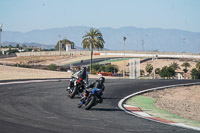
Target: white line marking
<point x="29" y="81"/>
<point x="186" y="126"/>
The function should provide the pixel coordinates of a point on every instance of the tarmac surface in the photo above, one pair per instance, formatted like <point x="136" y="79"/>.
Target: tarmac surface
<point x="45" y="108"/>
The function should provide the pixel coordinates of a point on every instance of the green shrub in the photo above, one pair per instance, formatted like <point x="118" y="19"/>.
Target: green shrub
<point x="141" y="72"/>
<point x="22" y="65"/>
<point x="149" y="68"/>
<point x="52" y="67"/>
<point x="195" y="74"/>
<point x="167" y="72"/>
<point x="111" y="68"/>
<point x="103" y="68"/>
<point x="157" y="70"/>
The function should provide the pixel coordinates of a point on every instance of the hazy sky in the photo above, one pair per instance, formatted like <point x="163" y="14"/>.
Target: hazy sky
<point x="27" y="15"/>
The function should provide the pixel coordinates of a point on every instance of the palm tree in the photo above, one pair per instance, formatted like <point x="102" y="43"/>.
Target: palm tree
<point x="198" y="65"/>
<point x="174" y="65"/>
<point x="93" y="40"/>
<point x="186" y="65"/>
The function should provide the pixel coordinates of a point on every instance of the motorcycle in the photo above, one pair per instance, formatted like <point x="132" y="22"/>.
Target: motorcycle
<point x="76" y="86"/>
<point x="93" y="98"/>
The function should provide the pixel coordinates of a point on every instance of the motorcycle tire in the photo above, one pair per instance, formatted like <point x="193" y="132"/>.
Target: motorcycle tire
<point x="74" y="91"/>
<point x="90" y="103"/>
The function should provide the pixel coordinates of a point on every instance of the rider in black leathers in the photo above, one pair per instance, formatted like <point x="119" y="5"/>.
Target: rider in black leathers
<point x="81" y="75"/>
<point x="97" y="84"/>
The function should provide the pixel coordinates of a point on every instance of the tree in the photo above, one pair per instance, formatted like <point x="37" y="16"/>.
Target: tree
<point x="157" y="70"/>
<point x="174" y="65"/>
<point x="17" y="46"/>
<point x="24" y="46"/>
<point x="186" y="65"/>
<point x="141" y="72"/>
<point x="93" y="40"/>
<point x="111" y="68"/>
<point x="63" y="44"/>
<point x="149" y="68"/>
<point x="198" y="65"/>
<point x="167" y="72"/>
<point x="195" y="74"/>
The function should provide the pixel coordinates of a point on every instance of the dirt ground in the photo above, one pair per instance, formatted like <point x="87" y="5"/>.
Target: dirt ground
<point x="13" y="73"/>
<point x="183" y="101"/>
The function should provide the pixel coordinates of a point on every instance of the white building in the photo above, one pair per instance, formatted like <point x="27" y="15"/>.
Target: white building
<point x="69" y="47"/>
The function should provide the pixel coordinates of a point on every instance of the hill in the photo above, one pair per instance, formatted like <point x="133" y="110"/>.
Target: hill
<point x="169" y="40"/>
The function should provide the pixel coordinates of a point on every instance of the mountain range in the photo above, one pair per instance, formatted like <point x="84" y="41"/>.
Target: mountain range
<point x="150" y="39"/>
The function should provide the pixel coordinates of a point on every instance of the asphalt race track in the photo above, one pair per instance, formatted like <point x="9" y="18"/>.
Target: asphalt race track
<point x="45" y="108"/>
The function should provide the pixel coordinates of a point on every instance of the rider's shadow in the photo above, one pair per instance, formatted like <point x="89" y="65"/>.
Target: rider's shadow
<point x="112" y="98"/>
<point x="105" y="109"/>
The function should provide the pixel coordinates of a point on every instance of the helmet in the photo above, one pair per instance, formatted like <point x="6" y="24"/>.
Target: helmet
<point x="102" y="79"/>
<point x="84" y="68"/>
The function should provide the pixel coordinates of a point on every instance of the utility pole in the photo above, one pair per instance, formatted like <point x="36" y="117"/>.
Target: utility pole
<point x="0" y="37"/>
<point x="124" y="38"/>
<point x="154" y="59"/>
<point x="142" y="45"/>
<point x="59" y="45"/>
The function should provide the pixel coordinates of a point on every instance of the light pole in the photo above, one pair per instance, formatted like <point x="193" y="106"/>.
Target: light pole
<point x="142" y="45"/>
<point x="59" y="45"/>
<point x="0" y="37"/>
<point x="124" y="38"/>
<point x="154" y="59"/>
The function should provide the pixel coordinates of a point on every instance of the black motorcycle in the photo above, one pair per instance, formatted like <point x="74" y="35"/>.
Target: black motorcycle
<point x="76" y="86"/>
<point x="93" y="98"/>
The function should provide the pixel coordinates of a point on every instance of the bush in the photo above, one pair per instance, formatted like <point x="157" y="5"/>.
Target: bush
<point x="103" y="68"/>
<point x="52" y="67"/>
<point x="141" y="72"/>
<point x="157" y="70"/>
<point x="94" y="71"/>
<point x="195" y="74"/>
<point x="185" y="70"/>
<point x="63" y="69"/>
<point x="149" y="68"/>
<point x="22" y="65"/>
<point x="167" y="72"/>
<point x="111" y="68"/>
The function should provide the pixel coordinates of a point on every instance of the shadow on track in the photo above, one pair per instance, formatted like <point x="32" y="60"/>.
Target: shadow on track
<point x="112" y="98"/>
<point x="105" y="109"/>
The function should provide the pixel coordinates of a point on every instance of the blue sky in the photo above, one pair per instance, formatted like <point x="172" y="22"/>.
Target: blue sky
<point x="27" y="15"/>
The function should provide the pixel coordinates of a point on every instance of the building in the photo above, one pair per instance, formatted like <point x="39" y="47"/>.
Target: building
<point x="69" y="47"/>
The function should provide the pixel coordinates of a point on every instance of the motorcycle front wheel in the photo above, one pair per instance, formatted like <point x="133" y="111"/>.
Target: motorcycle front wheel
<point x="90" y="102"/>
<point x="74" y="91"/>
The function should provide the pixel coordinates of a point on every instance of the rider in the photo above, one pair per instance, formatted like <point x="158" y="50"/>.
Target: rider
<point x="81" y="75"/>
<point x="98" y="84"/>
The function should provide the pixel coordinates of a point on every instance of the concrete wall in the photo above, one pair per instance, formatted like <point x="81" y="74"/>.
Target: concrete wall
<point x="112" y="53"/>
<point x="53" y="53"/>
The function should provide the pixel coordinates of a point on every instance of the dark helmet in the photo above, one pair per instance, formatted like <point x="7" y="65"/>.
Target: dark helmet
<point x="102" y="79"/>
<point x="84" y="68"/>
